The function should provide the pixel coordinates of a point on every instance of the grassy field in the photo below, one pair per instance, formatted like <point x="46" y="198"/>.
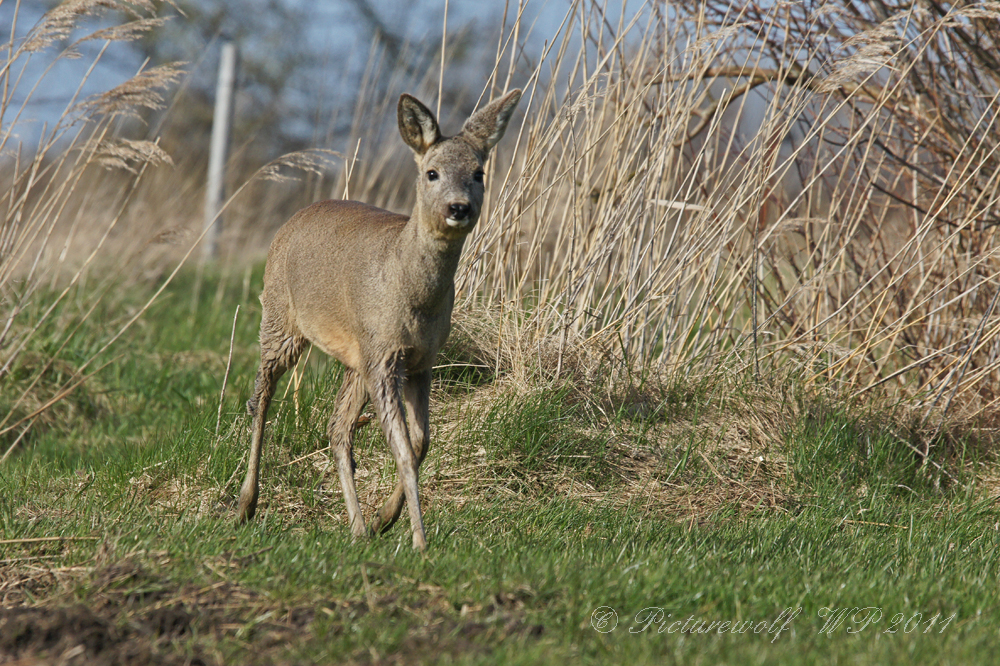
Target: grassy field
<point x="721" y="387"/>
<point x="773" y="526"/>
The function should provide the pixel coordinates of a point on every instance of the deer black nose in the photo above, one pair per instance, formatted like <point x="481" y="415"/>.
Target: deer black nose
<point x="459" y="211"/>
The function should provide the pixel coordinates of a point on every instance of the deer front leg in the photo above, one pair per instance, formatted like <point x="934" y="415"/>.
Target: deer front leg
<point x="351" y="400"/>
<point x="416" y="393"/>
<point x="386" y="381"/>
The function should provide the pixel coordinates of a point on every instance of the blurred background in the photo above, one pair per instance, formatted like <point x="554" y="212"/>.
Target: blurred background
<point x="309" y="75"/>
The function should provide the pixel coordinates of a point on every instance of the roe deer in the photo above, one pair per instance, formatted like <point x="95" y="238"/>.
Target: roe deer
<point x="375" y="290"/>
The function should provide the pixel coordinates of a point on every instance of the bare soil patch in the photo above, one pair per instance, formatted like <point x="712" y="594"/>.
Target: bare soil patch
<point x="132" y="616"/>
<point x="124" y="614"/>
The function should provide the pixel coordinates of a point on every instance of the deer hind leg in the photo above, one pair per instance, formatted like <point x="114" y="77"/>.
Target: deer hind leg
<point x="279" y="351"/>
<point x="385" y="386"/>
<point x="351" y="400"/>
<point x="416" y="393"/>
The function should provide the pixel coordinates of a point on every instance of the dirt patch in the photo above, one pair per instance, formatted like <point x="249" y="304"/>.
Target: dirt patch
<point x="79" y="635"/>
<point x="127" y="612"/>
<point x="132" y="616"/>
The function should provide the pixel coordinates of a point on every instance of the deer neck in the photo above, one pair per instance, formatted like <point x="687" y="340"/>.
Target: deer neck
<point x="427" y="266"/>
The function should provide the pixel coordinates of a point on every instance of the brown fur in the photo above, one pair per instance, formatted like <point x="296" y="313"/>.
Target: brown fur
<point x="375" y="290"/>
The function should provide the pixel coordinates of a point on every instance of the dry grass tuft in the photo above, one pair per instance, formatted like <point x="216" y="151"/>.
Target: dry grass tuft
<point x="123" y="153"/>
<point x="60" y="22"/>
<point x="731" y="456"/>
<point x="142" y="91"/>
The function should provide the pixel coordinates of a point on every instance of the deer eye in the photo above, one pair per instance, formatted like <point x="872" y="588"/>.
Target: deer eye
<point x="432" y="175"/>
<point x="478" y="176"/>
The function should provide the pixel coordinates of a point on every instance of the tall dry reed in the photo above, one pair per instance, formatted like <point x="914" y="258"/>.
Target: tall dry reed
<point x="719" y="184"/>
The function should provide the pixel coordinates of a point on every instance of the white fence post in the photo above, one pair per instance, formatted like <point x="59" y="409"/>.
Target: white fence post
<point x="221" y="120"/>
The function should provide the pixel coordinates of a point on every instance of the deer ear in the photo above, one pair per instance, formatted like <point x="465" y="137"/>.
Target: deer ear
<point x="417" y="124"/>
<point x="487" y="125"/>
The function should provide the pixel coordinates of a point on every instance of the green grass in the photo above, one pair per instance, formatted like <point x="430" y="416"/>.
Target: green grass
<point x="140" y="485"/>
